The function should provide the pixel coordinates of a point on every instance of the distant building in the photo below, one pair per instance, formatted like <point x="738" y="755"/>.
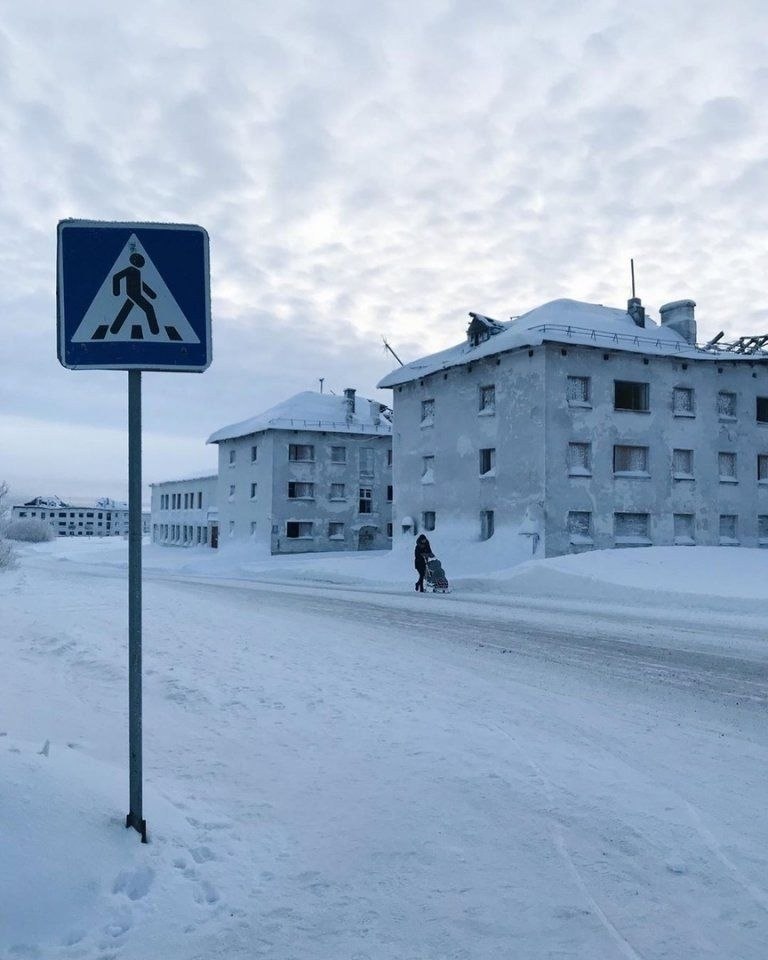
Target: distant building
<point x="577" y="427"/>
<point x="313" y="473"/>
<point x="77" y="518"/>
<point x="184" y="511"/>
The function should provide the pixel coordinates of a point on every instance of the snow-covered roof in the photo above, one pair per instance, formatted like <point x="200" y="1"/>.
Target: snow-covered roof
<point x="313" y="411"/>
<point x="54" y="503"/>
<point x="193" y="477"/>
<point x="562" y="321"/>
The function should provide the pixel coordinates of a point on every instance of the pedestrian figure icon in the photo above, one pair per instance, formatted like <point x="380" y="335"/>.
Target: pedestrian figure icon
<point x="134" y="291"/>
<point x="135" y="288"/>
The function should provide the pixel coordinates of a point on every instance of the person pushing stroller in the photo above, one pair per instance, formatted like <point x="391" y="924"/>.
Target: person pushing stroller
<point x="422" y="553"/>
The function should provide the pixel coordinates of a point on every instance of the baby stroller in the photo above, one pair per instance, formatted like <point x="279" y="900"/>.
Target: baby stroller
<point x="436" y="576"/>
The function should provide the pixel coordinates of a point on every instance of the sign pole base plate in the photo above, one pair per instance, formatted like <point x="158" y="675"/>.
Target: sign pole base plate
<point x="139" y="825"/>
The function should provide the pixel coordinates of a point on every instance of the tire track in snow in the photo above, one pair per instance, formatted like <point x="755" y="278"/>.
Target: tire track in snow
<point x="559" y="843"/>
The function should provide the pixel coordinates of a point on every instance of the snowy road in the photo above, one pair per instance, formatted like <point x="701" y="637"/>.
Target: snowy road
<point x="395" y="776"/>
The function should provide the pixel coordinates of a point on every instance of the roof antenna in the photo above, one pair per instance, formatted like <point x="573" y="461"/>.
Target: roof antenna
<point x="321" y="384"/>
<point x="387" y="346"/>
<point x="632" y="268"/>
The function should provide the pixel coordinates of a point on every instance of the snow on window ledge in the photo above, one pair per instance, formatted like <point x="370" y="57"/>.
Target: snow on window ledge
<point x="579" y="540"/>
<point x="429" y="422"/>
<point x="336" y="536"/>
<point x="685" y="542"/>
<point x="579" y="472"/>
<point x="685" y="413"/>
<point x="489" y="473"/>
<point x="632" y="541"/>
<point x="762" y="483"/>
<point x="728" y="480"/>
<point x="488" y="412"/>
<point x="428" y="477"/>
<point x="584" y="404"/>
<point x="633" y="474"/>
<point x="725" y="418"/>
<point x="683" y="476"/>
<point x="728" y="542"/>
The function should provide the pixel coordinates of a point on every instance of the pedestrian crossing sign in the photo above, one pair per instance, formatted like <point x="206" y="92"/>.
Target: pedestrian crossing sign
<point x="133" y="296"/>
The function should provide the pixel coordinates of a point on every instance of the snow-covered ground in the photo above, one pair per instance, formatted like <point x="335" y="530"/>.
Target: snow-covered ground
<point x="563" y="759"/>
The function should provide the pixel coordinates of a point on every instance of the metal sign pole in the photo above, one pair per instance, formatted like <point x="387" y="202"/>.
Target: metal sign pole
<point x="135" y="816"/>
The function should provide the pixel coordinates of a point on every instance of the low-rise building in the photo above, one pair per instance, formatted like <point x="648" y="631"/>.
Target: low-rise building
<point x="184" y="511"/>
<point x="77" y="518"/>
<point x="313" y="473"/>
<point x="577" y="426"/>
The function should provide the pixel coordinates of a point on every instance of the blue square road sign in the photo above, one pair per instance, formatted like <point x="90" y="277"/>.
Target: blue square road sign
<point x="133" y="296"/>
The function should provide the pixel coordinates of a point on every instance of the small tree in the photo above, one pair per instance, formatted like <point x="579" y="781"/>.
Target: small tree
<point x="7" y="553"/>
<point x="29" y="530"/>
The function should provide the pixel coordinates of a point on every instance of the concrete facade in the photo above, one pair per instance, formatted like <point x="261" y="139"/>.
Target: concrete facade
<point x="573" y="472"/>
<point x="314" y="474"/>
<point x="87" y="518"/>
<point x="184" y="511"/>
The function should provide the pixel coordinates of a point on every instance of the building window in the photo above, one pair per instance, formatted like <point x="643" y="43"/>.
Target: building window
<point x="427" y="413"/>
<point x="630" y="461"/>
<point x="254" y="488"/>
<point x="728" y="529"/>
<point x="389" y="530"/>
<point x="762" y="529"/>
<point x="486" y="524"/>
<point x="366" y="461"/>
<point x="254" y="452"/>
<point x="298" y="529"/>
<point x="389" y="493"/>
<point x="389" y="456"/>
<point x="579" y="527"/>
<point x="580" y="459"/>
<point x="578" y="391"/>
<point x="301" y="452"/>
<point x="682" y="402"/>
<point x="488" y="462"/>
<point x="726" y="463"/>
<point x="338" y="454"/>
<point x="299" y="490"/>
<point x="428" y="519"/>
<point x="337" y="491"/>
<point x="631" y="528"/>
<point x="762" y="468"/>
<point x="366" y="500"/>
<point x="428" y="469"/>
<point x="231" y="528"/>
<point x="231" y="492"/>
<point x="253" y="529"/>
<point x="682" y="464"/>
<point x="761" y="409"/>
<point x="630" y="395"/>
<point x="685" y="533"/>
<point x="232" y="456"/>
<point x="488" y="399"/>
<point x="726" y="405"/>
<point x="199" y="499"/>
<point x="335" y="530"/>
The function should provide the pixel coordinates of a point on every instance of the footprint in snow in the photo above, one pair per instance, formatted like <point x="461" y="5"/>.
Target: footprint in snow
<point x="134" y="884"/>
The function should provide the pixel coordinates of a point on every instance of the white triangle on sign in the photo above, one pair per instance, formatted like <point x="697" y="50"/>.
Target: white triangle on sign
<point x="133" y="304"/>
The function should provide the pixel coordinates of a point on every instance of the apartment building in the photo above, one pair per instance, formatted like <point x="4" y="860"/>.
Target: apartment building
<point x="577" y="427"/>
<point x="313" y="473"/>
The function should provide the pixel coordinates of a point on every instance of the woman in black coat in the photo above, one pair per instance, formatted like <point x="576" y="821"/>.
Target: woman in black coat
<point x="421" y="554"/>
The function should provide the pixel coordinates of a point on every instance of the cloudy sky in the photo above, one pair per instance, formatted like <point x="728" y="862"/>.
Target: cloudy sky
<point x="364" y="169"/>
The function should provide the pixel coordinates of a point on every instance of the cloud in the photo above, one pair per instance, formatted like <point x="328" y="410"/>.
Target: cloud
<point x="368" y="170"/>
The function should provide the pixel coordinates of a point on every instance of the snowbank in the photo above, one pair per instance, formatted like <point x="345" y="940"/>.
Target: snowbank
<point x="495" y="566"/>
<point x="71" y="874"/>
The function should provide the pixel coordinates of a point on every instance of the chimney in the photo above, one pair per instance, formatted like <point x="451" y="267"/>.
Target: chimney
<point x="349" y="400"/>
<point x="375" y="413"/>
<point x="678" y="316"/>
<point x="636" y="310"/>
